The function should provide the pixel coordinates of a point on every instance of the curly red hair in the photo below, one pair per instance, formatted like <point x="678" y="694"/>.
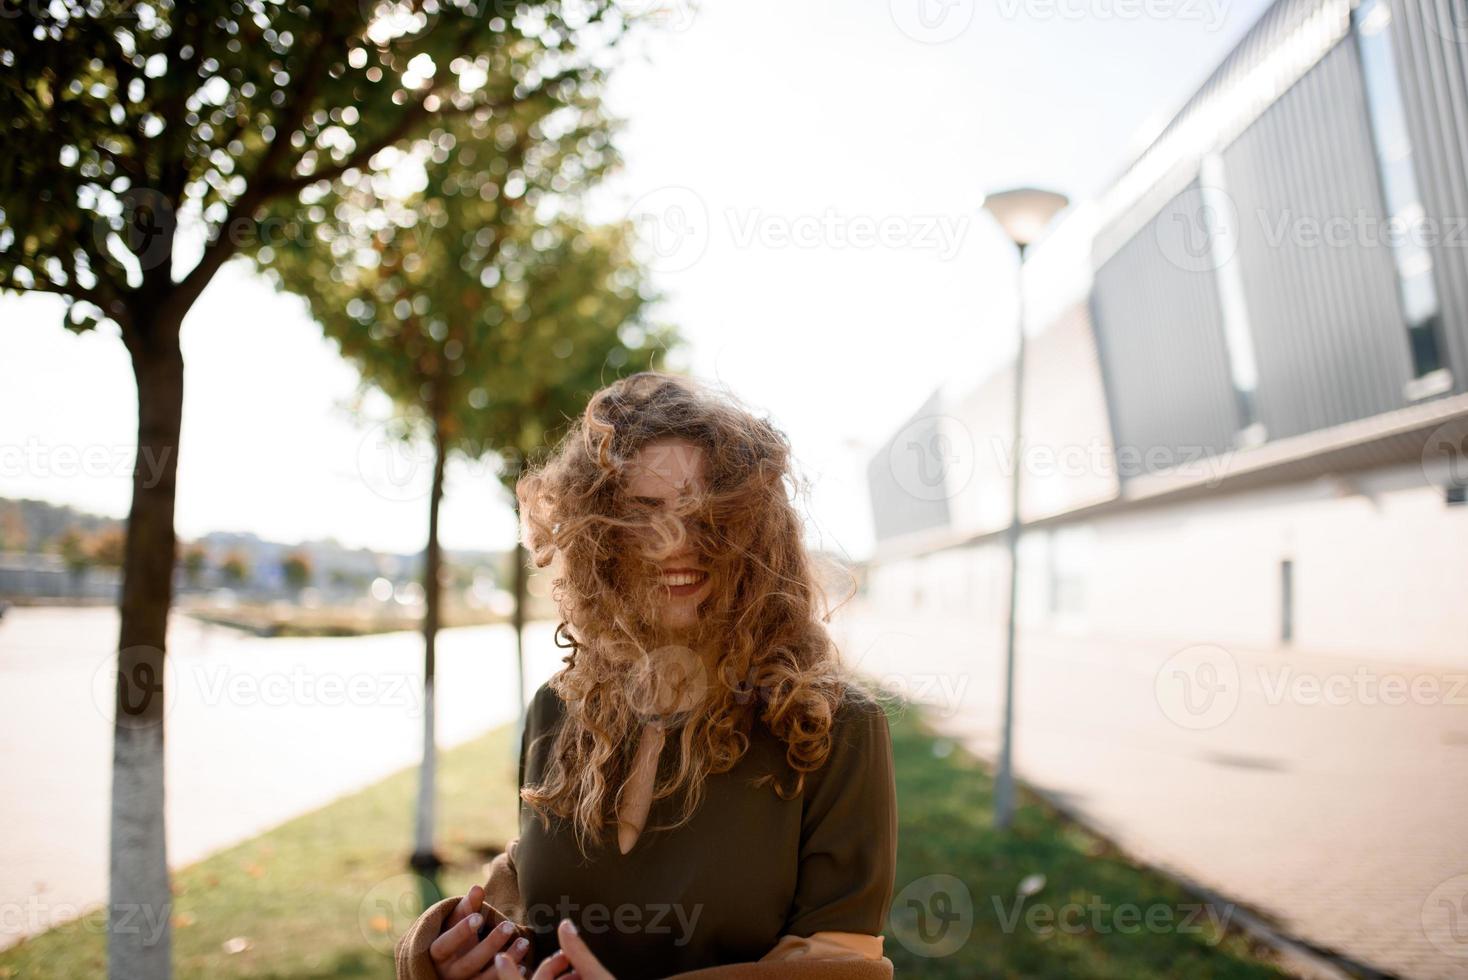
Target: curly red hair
<point x="764" y="619"/>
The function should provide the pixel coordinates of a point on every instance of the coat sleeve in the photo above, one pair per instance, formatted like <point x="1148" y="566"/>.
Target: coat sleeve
<point x="794" y="970"/>
<point x="848" y="840"/>
<point x="502" y="899"/>
<point x="502" y="902"/>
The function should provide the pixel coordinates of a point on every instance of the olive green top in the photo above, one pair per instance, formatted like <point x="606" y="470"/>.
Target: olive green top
<point x="747" y="869"/>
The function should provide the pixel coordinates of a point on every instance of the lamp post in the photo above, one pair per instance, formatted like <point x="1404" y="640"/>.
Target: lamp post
<point x="1023" y="214"/>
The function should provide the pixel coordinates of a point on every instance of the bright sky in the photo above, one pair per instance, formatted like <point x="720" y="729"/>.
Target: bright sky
<point x="814" y="169"/>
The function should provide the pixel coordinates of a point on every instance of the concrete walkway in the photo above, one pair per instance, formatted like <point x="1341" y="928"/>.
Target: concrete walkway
<point x="1309" y="788"/>
<point x="257" y="731"/>
<point x="1329" y="794"/>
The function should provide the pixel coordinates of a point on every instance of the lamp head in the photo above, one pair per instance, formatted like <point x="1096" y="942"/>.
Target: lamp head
<point x="1024" y="212"/>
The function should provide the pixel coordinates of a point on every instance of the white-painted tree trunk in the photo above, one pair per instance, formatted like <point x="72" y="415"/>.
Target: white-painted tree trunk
<point x="423" y="836"/>
<point x="140" y="904"/>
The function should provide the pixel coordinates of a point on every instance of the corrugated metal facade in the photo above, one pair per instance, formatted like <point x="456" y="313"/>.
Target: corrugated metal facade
<point x="1320" y="284"/>
<point x="1319" y="278"/>
<point x="1159" y="331"/>
<point x="1431" y="38"/>
<point x="908" y="496"/>
<point x="1068" y="457"/>
<point x="1294" y="318"/>
<point x="1244" y="85"/>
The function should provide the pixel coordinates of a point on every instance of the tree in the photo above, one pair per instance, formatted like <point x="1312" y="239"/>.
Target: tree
<point x="195" y="561"/>
<point x="78" y="557"/>
<point x="567" y="358"/>
<point x="107" y="547"/>
<point x="235" y="568"/>
<point x="13" y="534"/>
<point x="472" y="301"/>
<point x="296" y="568"/>
<point x="150" y="125"/>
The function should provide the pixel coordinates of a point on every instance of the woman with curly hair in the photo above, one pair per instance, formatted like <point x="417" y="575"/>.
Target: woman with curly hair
<point x="704" y="786"/>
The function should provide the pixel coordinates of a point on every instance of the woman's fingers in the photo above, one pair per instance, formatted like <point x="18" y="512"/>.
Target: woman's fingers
<point x="573" y="961"/>
<point x="454" y="942"/>
<point x="467" y="906"/>
<point x="553" y="967"/>
<point x="476" y="960"/>
<point x="586" y="965"/>
<point x="504" y="968"/>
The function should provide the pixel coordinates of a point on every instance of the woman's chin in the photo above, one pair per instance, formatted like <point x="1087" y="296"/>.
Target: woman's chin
<point x="683" y="614"/>
<point x="680" y="622"/>
<point x="682" y="619"/>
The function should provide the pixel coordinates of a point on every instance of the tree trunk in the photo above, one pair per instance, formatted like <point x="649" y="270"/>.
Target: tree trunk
<point x="140" y="904"/>
<point x="424" y="859"/>
<point x="518" y="621"/>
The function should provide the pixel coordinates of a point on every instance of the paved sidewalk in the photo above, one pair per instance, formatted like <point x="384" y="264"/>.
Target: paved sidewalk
<point x="1329" y="794"/>
<point x="257" y="731"/>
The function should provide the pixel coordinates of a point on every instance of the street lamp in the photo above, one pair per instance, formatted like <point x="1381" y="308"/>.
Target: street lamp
<point x="1024" y="213"/>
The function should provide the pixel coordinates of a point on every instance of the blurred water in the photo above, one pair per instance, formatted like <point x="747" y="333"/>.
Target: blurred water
<point x="257" y="731"/>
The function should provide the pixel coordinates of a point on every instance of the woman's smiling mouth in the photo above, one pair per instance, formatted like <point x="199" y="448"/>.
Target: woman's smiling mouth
<point x="683" y="582"/>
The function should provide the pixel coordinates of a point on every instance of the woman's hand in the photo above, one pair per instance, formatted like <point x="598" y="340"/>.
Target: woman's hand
<point x="459" y="954"/>
<point x="573" y="961"/>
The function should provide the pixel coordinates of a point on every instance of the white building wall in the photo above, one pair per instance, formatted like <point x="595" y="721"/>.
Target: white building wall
<point x="1380" y="571"/>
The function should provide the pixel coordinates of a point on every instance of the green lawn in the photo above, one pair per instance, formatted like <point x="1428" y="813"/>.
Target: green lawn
<point x="323" y="895"/>
<point x="1096" y="915"/>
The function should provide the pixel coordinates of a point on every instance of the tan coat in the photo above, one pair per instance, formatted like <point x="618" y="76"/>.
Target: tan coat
<point x="502" y="902"/>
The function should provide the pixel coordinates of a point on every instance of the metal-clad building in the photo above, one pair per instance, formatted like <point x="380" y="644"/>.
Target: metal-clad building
<point x="1276" y="316"/>
<point x="1162" y="345"/>
<point x="1274" y="268"/>
<point x="907" y="496"/>
<point x="1431" y="45"/>
<point x="1272" y="352"/>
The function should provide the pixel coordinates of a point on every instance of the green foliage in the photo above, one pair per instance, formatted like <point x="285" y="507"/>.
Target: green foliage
<point x="107" y="547"/>
<point x="195" y="560"/>
<point x="480" y="301"/>
<point x="296" y="567"/>
<point x="235" y="568"/>
<point x="148" y="124"/>
<point x="74" y="551"/>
